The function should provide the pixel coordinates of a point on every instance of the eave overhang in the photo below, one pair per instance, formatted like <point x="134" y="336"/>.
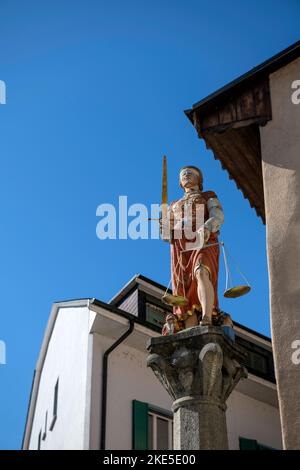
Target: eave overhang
<point x="229" y="120"/>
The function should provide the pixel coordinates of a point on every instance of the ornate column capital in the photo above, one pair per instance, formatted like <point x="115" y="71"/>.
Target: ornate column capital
<point x="199" y="367"/>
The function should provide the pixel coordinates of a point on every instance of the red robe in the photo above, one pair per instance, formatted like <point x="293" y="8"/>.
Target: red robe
<point x="183" y="265"/>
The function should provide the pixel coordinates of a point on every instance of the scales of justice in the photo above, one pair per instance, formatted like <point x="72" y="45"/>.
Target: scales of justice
<point x="195" y="250"/>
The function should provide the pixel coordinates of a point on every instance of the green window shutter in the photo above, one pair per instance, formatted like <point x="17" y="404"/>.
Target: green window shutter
<point x="248" y="444"/>
<point x="263" y="447"/>
<point x="139" y="425"/>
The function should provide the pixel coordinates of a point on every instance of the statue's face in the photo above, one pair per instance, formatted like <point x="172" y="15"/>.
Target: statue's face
<point x="189" y="178"/>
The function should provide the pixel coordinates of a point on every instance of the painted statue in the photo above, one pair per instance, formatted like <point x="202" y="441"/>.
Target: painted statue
<point x="194" y="270"/>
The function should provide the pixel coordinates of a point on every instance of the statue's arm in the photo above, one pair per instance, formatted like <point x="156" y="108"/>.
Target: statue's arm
<point x="216" y="215"/>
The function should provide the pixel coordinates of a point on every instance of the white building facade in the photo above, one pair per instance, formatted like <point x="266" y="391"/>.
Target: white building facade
<point x="71" y="380"/>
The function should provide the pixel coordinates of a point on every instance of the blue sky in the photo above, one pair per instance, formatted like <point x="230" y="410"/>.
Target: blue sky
<point x="95" y="96"/>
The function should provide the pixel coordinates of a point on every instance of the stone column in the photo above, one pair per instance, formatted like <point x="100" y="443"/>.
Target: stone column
<point x="199" y="367"/>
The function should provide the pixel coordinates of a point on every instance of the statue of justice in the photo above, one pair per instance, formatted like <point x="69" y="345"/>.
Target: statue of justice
<point x="194" y="254"/>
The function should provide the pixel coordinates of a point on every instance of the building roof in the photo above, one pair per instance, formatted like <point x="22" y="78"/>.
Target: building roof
<point x="229" y="119"/>
<point x="264" y="69"/>
<point x="131" y="284"/>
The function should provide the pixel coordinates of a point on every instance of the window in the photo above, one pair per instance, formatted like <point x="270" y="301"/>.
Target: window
<point x="160" y="432"/>
<point x="152" y="427"/>
<point x="155" y="315"/>
<point x="252" y="444"/>
<point x="55" y="401"/>
<point x="259" y="360"/>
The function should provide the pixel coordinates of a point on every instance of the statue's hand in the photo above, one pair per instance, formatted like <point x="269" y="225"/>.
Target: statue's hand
<point x="206" y="235"/>
<point x="205" y="232"/>
<point x="165" y="227"/>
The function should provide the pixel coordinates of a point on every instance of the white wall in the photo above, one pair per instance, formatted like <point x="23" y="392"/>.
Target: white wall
<point x="66" y="359"/>
<point x="128" y="379"/>
<point x="100" y="344"/>
<point x="252" y="419"/>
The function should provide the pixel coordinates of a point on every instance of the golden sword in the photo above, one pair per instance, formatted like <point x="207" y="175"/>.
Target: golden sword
<point x="164" y="192"/>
